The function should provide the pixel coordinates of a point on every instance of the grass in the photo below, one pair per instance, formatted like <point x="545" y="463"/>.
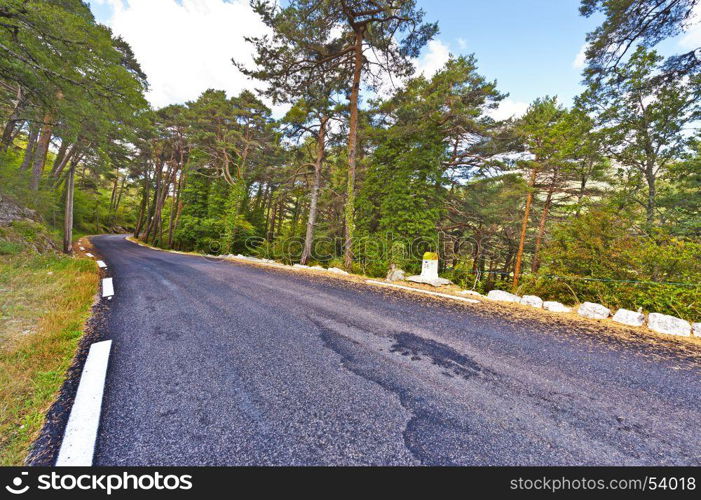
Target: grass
<point x="45" y="300"/>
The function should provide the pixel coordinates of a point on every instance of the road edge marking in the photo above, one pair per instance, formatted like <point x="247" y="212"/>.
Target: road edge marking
<point x="101" y="264"/>
<point x="107" y="287"/>
<point x="427" y="292"/>
<point x="80" y="436"/>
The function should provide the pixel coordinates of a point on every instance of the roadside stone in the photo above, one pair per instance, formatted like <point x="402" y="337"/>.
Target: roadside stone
<point x="532" y="300"/>
<point x="337" y="271"/>
<point x="630" y="318"/>
<point x="395" y="274"/>
<point x="300" y="266"/>
<point x="663" y="323"/>
<point x="429" y="281"/>
<point x="471" y="292"/>
<point x="557" y="307"/>
<point x="503" y="296"/>
<point x="594" y="311"/>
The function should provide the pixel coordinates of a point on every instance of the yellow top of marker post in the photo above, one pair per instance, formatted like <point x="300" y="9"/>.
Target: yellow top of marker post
<point x="430" y="256"/>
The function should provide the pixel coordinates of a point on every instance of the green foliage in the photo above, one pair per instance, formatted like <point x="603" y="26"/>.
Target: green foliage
<point x="9" y="247"/>
<point x="630" y="22"/>
<point x="602" y="256"/>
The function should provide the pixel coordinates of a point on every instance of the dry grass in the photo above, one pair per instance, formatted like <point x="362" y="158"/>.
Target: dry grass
<point x="45" y="300"/>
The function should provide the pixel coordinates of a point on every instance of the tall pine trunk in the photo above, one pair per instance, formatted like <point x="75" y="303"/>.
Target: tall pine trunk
<point x="524" y="228"/>
<point x="535" y="264"/>
<point x="352" y="150"/>
<point x="651" y="203"/>
<point x="311" y="221"/>
<point x="42" y="148"/>
<point x="13" y="123"/>
<point x="68" y="213"/>
<point x="60" y="155"/>
<point x="31" y="146"/>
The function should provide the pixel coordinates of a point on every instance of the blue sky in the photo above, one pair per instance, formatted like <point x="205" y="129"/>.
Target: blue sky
<point x="528" y="46"/>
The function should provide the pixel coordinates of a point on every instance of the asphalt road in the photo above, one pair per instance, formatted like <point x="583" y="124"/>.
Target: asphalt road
<point x="221" y="363"/>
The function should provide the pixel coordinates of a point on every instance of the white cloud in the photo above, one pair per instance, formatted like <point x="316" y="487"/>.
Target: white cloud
<point x="508" y="108"/>
<point x="581" y="58"/>
<point x="692" y="36"/>
<point x="462" y="43"/>
<point x="431" y="61"/>
<point x="186" y="46"/>
<point x="434" y="59"/>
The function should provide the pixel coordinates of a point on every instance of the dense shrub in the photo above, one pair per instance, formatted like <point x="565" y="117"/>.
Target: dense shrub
<point x="602" y="256"/>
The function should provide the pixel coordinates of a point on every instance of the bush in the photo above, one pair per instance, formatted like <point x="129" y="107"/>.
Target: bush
<point x="603" y="257"/>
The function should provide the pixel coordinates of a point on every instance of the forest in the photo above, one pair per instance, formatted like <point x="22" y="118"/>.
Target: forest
<point x="372" y="164"/>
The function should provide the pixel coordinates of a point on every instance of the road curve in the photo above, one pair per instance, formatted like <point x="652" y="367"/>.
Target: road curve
<point x="222" y="363"/>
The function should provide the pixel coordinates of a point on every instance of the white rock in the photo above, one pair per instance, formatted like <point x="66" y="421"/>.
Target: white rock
<point x="319" y="268"/>
<point x="630" y="318"/>
<point x="429" y="280"/>
<point x="396" y="274"/>
<point x="532" y="300"/>
<point x="503" y="296"/>
<point x="696" y="329"/>
<point x="594" y="311"/>
<point x="663" y="323"/>
<point x="471" y="292"/>
<point x="300" y="266"/>
<point x="552" y="306"/>
<point x="337" y="270"/>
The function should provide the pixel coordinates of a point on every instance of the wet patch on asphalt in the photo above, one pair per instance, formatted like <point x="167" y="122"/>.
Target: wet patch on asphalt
<point x="428" y="423"/>
<point x="451" y="361"/>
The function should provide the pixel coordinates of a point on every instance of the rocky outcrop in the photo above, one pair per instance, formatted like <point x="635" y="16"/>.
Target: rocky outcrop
<point x="11" y="212"/>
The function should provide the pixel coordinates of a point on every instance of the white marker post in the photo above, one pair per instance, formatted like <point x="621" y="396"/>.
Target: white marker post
<point x="429" y="271"/>
<point x="78" y="445"/>
<point x="101" y="264"/>
<point x="89" y="255"/>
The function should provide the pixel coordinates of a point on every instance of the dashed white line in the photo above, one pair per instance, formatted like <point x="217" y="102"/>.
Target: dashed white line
<point x="427" y="292"/>
<point x="107" y="287"/>
<point x="89" y="255"/>
<point x="101" y="264"/>
<point x="78" y="444"/>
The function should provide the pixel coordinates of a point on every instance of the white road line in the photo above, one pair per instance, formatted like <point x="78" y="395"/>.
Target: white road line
<point x="101" y="264"/>
<point x="427" y="292"/>
<point x="78" y="444"/>
<point x="89" y="255"/>
<point x="107" y="287"/>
